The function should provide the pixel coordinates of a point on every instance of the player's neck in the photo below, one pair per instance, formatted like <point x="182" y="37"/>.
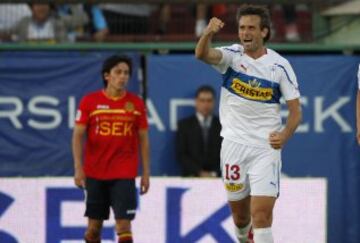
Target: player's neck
<point x="114" y="94"/>
<point x="257" y="53"/>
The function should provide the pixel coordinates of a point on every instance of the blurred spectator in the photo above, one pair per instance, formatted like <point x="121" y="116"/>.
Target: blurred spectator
<point x="291" y="22"/>
<point x="127" y="18"/>
<point x="75" y="18"/>
<point x="201" y="18"/>
<point x="84" y="21"/>
<point x="41" y="25"/>
<point x="97" y="27"/>
<point x="10" y="15"/>
<point x="198" y="138"/>
<point x="291" y="30"/>
<point x="165" y="15"/>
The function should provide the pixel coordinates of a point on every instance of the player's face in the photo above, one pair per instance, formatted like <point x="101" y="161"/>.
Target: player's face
<point x="250" y="34"/>
<point x="118" y="77"/>
<point x="204" y="103"/>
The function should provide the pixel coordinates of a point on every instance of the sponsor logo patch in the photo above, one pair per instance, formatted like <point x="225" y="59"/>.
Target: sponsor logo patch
<point x="234" y="187"/>
<point x="251" y="90"/>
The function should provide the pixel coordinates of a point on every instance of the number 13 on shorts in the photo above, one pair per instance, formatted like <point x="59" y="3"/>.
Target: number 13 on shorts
<point x="232" y="172"/>
<point x="236" y="181"/>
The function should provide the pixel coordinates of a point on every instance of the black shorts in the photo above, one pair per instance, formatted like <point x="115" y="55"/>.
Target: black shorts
<point x="119" y="194"/>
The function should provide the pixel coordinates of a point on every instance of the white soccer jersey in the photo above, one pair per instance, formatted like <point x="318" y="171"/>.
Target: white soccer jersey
<point x="250" y="94"/>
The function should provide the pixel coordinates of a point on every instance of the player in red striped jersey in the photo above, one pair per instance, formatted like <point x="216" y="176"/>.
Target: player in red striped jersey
<point x="114" y="123"/>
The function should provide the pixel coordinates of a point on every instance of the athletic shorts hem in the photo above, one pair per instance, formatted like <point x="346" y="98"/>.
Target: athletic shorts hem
<point x="265" y="194"/>
<point x="96" y="217"/>
<point x="129" y="217"/>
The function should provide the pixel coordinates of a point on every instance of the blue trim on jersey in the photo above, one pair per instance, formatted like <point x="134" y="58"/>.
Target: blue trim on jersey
<point x="286" y="73"/>
<point x="228" y="49"/>
<point x="251" y="87"/>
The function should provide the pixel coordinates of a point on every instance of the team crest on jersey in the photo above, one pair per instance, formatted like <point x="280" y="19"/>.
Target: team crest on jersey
<point x="251" y="90"/>
<point x="254" y="83"/>
<point x="102" y="107"/>
<point x="129" y="106"/>
<point x="234" y="187"/>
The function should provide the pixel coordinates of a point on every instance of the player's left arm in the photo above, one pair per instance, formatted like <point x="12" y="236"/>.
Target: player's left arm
<point x="290" y="91"/>
<point x="145" y="158"/>
<point x="278" y="139"/>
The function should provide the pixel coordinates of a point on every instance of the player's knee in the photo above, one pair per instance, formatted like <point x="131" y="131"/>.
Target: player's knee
<point x="241" y="220"/>
<point x="93" y="234"/>
<point x="123" y="227"/>
<point x="261" y="219"/>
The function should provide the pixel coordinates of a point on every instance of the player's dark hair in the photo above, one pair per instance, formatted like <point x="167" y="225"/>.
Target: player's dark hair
<point x="205" y="88"/>
<point x="51" y="5"/>
<point x="262" y="12"/>
<point x="111" y="62"/>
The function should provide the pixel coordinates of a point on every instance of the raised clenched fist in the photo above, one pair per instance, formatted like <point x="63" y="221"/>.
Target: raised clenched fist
<point x="214" y="26"/>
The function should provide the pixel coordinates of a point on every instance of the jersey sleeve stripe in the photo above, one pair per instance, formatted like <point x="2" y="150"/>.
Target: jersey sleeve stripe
<point x="287" y="75"/>
<point x="228" y="49"/>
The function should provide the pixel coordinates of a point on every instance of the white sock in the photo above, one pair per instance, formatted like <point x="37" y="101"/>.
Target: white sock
<point x="243" y="233"/>
<point x="263" y="235"/>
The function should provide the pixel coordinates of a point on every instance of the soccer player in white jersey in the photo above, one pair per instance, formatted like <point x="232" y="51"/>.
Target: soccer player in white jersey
<point x="254" y="79"/>
<point x="358" y="108"/>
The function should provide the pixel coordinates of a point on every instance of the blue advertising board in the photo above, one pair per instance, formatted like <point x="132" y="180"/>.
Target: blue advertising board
<point x="39" y="93"/>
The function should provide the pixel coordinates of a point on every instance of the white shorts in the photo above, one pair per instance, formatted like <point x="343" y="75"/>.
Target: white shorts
<point x="248" y="170"/>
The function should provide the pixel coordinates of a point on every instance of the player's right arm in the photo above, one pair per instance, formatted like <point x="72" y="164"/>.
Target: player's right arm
<point x="77" y="149"/>
<point x="203" y="50"/>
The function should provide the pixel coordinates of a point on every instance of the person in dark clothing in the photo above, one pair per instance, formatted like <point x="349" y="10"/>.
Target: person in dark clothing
<point x="198" y="138"/>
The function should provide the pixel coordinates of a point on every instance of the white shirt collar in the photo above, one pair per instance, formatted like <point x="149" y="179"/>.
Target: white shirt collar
<point x="201" y="119"/>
